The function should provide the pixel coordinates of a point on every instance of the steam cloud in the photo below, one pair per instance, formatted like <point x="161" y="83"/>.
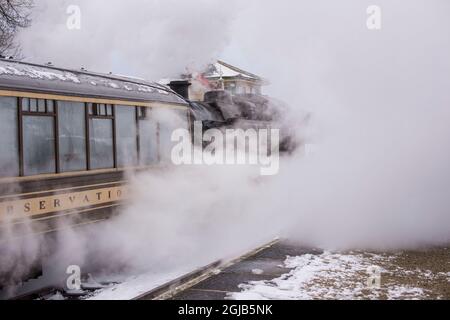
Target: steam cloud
<point x="380" y="111"/>
<point x="152" y="38"/>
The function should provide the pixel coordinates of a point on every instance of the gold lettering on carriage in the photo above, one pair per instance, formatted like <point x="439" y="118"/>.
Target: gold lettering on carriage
<point x="61" y="202"/>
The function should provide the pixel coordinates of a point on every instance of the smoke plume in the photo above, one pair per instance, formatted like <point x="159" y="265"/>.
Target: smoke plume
<point x="151" y="39"/>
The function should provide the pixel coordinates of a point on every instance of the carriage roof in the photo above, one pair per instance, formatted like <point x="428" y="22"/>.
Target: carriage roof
<point x="21" y="76"/>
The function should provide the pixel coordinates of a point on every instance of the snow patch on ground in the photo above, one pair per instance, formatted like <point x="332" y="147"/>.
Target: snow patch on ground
<point x="56" y="297"/>
<point x="327" y="276"/>
<point x="135" y="286"/>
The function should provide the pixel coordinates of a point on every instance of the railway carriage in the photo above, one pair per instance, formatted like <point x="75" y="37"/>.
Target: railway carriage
<point x="67" y="139"/>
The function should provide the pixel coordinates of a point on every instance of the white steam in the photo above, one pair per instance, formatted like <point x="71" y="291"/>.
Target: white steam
<point x="380" y="112"/>
<point x="152" y="38"/>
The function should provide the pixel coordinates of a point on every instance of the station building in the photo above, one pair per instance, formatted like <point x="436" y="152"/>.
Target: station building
<point x="217" y="76"/>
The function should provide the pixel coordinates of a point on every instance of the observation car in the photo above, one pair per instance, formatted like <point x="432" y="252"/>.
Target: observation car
<point x="67" y="139"/>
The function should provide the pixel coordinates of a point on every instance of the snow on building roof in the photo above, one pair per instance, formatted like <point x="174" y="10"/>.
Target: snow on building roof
<point x="216" y="71"/>
<point x="221" y="69"/>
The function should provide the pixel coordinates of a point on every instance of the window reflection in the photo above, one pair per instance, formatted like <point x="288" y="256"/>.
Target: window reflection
<point x="38" y="145"/>
<point x="135" y="128"/>
<point x="101" y="143"/>
<point x="72" y="140"/>
<point x="148" y="138"/>
<point x="126" y="136"/>
<point x="9" y="155"/>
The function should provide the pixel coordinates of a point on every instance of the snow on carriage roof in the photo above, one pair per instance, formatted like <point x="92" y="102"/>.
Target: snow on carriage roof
<point x="46" y="78"/>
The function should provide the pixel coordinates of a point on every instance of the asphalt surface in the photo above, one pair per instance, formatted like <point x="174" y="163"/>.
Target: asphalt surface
<point x="264" y="265"/>
<point x="426" y="269"/>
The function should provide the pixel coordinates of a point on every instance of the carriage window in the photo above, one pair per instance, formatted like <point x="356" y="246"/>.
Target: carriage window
<point x="50" y="106"/>
<point x="41" y="105"/>
<point x="9" y="156"/>
<point x="37" y="105"/>
<point x="142" y="113"/>
<point x="25" y="104"/>
<point x="38" y="122"/>
<point x="38" y="145"/>
<point x="33" y="105"/>
<point x="100" y="110"/>
<point x="101" y="143"/>
<point x="72" y="140"/>
<point x="101" y="138"/>
<point x="126" y="133"/>
<point x="170" y="120"/>
<point x="148" y="137"/>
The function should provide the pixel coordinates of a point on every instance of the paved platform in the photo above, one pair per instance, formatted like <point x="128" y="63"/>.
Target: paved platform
<point x="264" y="265"/>
<point x="418" y="274"/>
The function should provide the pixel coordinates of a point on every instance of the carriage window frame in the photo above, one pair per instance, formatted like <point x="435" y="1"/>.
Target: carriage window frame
<point x="44" y="107"/>
<point x="101" y="110"/>
<point x="17" y="136"/>
<point x="135" y="114"/>
<point x="144" y="114"/>
<point x="141" y="115"/>
<point x="94" y="111"/>
<point x="86" y="137"/>
<point x="49" y="107"/>
<point x="50" y="110"/>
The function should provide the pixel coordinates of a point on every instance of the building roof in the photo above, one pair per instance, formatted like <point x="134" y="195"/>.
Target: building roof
<point x="222" y="69"/>
<point x="46" y="78"/>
